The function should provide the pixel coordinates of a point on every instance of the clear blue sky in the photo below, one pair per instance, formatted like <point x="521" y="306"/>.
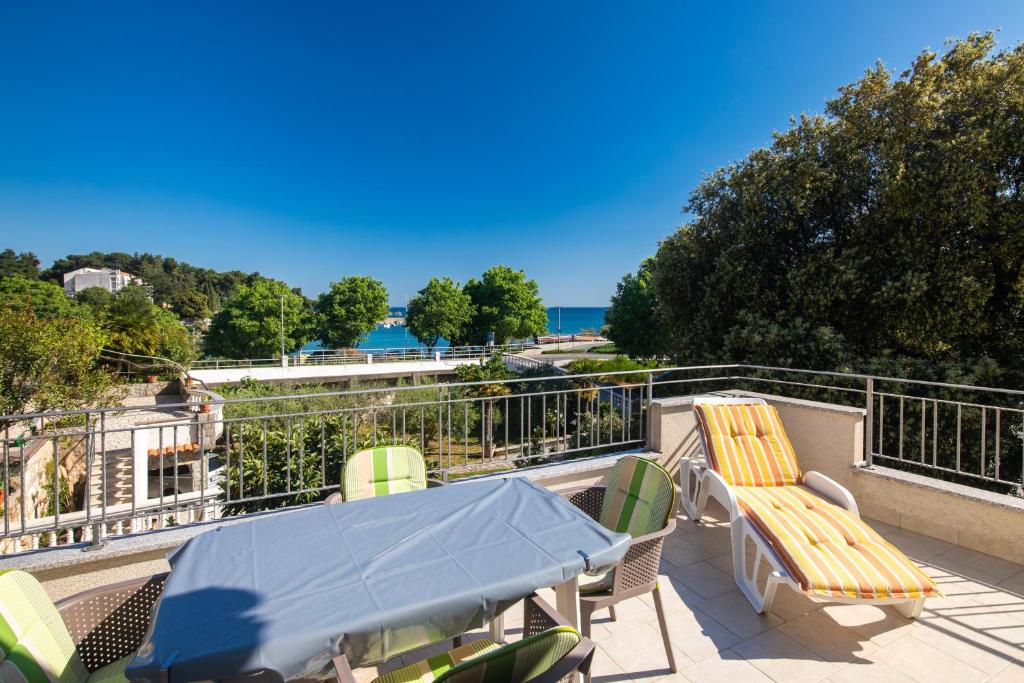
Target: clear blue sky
<point x="311" y="141"/>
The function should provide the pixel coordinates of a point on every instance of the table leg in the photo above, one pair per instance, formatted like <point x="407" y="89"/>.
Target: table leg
<point x="497" y="628"/>
<point x="566" y="601"/>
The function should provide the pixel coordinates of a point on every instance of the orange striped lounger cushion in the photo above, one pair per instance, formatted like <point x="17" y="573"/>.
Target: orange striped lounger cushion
<point x="829" y="551"/>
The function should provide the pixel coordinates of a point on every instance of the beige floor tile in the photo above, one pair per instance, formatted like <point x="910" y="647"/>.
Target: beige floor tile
<point x="783" y="659"/>
<point x="679" y="552"/>
<point x="698" y="635"/>
<point x="629" y="614"/>
<point x="823" y="636"/>
<point x="640" y="652"/>
<point x="1014" y="584"/>
<point x="728" y="667"/>
<point x="790" y="604"/>
<point x="979" y="562"/>
<point x="704" y="579"/>
<point x="604" y="669"/>
<point x="881" y="527"/>
<point x="1014" y="673"/>
<point x="922" y="662"/>
<point x="869" y="672"/>
<point x="733" y="611"/>
<point x="918" y="546"/>
<point x="880" y="625"/>
<point x="987" y="640"/>
<point x="675" y="596"/>
<point x="723" y="562"/>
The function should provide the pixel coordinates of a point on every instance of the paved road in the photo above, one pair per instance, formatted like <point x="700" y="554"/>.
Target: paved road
<point x="328" y="373"/>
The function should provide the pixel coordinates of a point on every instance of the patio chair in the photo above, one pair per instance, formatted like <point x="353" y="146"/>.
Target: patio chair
<point x="549" y="651"/>
<point x="803" y="524"/>
<point x="381" y="471"/>
<point x="637" y="497"/>
<point x="86" y="638"/>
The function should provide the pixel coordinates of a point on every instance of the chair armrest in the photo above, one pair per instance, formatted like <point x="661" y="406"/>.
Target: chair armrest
<point x="333" y="499"/>
<point x="539" y="616"/>
<point x="110" y="622"/>
<point x="578" y="660"/>
<point x="434" y="483"/>
<point x="586" y="498"/>
<point x="640" y="566"/>
<point x="832" y="490"/>
<point x="342" y="671"/>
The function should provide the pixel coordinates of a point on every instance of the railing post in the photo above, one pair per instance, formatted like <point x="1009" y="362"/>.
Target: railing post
<point x="869" y="421"/>
<point x="647" y="415"/>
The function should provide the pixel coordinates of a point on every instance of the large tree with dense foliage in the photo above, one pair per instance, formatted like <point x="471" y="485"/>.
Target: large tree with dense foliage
<point x="48" y="363"/>
<point x="135" y="325"/>
<point x="884" y="234"/>
<point x="249" y="324"/>
<point x="44" y="299"/>
<point x="632" y="318"/>
<point x="24" y="265"/>
<point x="439" y="310"/>
<point x="506" y="303"/>
<point x="352" y="307"/>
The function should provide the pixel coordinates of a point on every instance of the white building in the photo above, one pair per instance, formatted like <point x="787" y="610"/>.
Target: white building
<point x="109" y="279"/>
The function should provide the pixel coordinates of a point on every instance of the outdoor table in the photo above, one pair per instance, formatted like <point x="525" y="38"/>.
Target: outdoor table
<point x="369" y="579"/>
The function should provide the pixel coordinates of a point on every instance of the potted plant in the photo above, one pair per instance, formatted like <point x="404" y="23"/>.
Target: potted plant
<point x="152" y="379"/>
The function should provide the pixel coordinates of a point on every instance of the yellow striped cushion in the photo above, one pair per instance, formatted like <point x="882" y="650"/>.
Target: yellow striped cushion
<point x="747" y="444"/>
<point x="382" y="471"/>
<point x="828" y="550"/>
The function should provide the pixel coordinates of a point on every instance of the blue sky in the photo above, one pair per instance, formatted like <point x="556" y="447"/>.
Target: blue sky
<point x="310" y="141"/>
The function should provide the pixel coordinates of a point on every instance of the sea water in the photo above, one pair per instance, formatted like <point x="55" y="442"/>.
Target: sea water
<point x="572" y="319"/>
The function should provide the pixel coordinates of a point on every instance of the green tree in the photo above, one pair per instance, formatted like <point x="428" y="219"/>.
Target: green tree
<point x="349" y="309"/>
<point x="506" y="303"/>
<point x="632" y="318"/>
<point x="44" y="299"/>
<point x="193" y="305"/>
<point x="96" y="299"/>
<point x="439" y="310"/>
<point x="48" y="363"/>
<point x="493" y="369"/>
<point x="249" y="324"/>
<point x="134" y="324"/>
<point x="24" y="265"/>
<point x="884" y="234"/>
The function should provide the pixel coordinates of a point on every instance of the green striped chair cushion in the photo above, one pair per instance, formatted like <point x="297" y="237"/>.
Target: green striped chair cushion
<point x="35" y="646"/>
<point x="596" y="583"/>
<point x="381" y="471"/>
<point x="484" y="661"/>
<point x="639" y="497"/>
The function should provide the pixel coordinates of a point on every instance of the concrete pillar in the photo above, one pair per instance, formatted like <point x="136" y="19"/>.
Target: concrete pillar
<point x="284" y="361"/>
<point x="369" y="359"/>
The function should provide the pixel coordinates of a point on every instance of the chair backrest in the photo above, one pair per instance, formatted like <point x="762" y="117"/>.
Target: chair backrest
<point x="639" y="497"/>
<point x="747" y="444"/>
<point x="520" y="661"/>
<point x="35" y="645"/>
<point x="381" y="471"/>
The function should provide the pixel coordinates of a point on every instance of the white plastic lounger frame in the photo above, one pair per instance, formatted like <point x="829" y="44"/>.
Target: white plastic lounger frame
<point x="699" y="481"/>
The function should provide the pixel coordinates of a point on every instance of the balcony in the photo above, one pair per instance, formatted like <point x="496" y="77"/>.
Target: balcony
<point x="936" y="469"/>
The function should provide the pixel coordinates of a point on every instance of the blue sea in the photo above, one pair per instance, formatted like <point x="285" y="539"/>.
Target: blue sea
<point x="567" y="319"/>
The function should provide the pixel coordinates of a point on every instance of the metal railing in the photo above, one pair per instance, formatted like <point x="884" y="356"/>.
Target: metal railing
<point x="79" y="475"/>
<point x="363" y="355"/>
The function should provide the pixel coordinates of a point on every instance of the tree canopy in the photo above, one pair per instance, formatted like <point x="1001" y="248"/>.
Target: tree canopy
<point x="349" y="309"/>
<point x="44" y="299"/>
<point x="504" y="302"/>
<point x="48" y="363"/>
<point x="134" y="324"/>
<point x="439" y="310"/>
<point x="882" y="234"/>
<point x="24" y="265"/>
<point x="249" y="324"/>
<point x="632" y="318"/>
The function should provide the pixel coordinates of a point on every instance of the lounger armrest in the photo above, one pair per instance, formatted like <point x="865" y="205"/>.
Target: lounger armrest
<point x="110" y="622"/>
<point x="832" y="490"/>
<point x="640" y="566"/>
<point x="342" y="670"/>
<point x="586" y="498"/>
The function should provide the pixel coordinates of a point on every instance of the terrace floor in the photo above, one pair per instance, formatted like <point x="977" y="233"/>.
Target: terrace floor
<point x="976" y="633"/>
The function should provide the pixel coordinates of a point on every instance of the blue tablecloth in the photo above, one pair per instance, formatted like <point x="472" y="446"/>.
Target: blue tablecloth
<point x="370" y="579"/>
